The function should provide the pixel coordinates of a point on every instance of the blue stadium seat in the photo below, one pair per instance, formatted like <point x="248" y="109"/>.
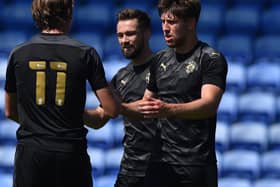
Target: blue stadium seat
<point x="270" y="162"/>
<point x="273" y="136"/>
<point x="211" y="18"/>
<point x="257" y="106"/>
<point x="267" y="47"/>
<point x="208" y="38"/>
<point x="241" y="163"/>
<point x="113" y="66"/>
<point x="256" y="3"/>
<point x="227" y="110"/>
<point x="242" y="20"/>
<point x="93" y="39"/>
<point x="112" y="48"/>
<point x="3" y="65"/>
<point x="234" y="182"/>
<point x="97" y="159"/>
<point x="118" y="131"/>
<point x="142" y="5"/>
<point x="105" y="181"/>
<point x="7" y="153"/>
<point x="219" y="157"/>
<point x="155" y="21"/>
<point x="236" y="47"/>
<point x="6" y="180"/>
<point x="222" y="136"/>
<point x="264" y="76"/>
<point x="267" y="183"/>
<point x="236" y="77"/>
<point x="2" y="101"/>
<point x="9" y="40"/>
<point x="157" y="42"/>
<point x="17" y="17"/>
<point x="91" y="101"/>
<point x="93" y="18"/>
<point x="113" y="160"/>
<point x="274" y="3"/>
<point x="8" y="130"/>
<point x="248" y="136"/>
<point x="269" y="22"/>
<point x="101" y="138"/>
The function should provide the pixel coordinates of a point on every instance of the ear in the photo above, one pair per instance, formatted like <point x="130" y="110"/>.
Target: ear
<point x="147" y="33"/>
<point x="191" y="24"/>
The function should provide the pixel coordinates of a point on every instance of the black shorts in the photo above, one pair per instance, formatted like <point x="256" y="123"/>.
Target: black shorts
<point x="164" y="175"/>
<point x="129" y="181"/>
<point x="36" y="167"/>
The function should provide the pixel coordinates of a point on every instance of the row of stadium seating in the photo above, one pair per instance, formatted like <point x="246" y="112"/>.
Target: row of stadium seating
<point x="216" y="17"/>
<point x="246" y="31"/>
<point x="249" y="135"/>
<point x="242" y="49"/>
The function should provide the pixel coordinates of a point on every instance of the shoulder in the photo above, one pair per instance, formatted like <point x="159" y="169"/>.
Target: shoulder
<point x="211" y="54"/>
<point x="124" y="70"/>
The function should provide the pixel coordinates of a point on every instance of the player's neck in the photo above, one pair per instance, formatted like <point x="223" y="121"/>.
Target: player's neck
<point x="52" y="31"/>
<point x="143" y="57"/>
<point x="187" y="46"/>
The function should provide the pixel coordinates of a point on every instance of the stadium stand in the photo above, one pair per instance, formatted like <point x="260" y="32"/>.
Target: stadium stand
<point x="241" y="164"/>
<point x="270" y="164"/>
<point x="248" y="136"/>
<point x="236" y="77"/>
<point x="257" y="106"/>
<point x="273" y="136"/>
<point x="267" y="183"/>
<point x="246" y="31"/>
<point x="234" y="182"/>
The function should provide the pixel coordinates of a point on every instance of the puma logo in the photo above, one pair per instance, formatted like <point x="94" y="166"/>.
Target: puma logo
<point x="163" y="66"/>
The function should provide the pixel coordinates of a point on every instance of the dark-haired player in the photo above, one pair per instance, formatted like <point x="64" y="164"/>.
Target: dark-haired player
<point x="185" y="89"/>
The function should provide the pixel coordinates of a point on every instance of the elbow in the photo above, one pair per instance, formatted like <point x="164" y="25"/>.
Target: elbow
<point x="113" y="112"/>
<point x="10" y="115"/>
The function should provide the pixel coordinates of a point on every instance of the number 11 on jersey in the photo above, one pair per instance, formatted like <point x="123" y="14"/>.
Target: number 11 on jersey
<point x="40" y="67"/>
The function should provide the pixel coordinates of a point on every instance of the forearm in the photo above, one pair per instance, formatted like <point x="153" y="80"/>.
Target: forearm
<point x="198" y="109"/>
<point x="11" y="107"/>
<point x="130" y="110"/>
<point x="95" y="118"/>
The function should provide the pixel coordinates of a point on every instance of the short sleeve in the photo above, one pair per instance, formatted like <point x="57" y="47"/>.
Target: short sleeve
<point x="10" y="82"/>
<point x="215" y="70"/>
<point x="96" y="75"/>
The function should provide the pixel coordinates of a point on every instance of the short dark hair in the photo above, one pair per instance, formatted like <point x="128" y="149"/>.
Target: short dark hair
<point x="142" y="17"/>
<point x="52" y="14"/>
<point x="182" y="9"/>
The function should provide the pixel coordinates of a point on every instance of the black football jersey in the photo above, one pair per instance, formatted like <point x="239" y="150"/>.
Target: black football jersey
<point x="179" y="78"/>
<point x="48" y="75"/>
<point x="130" y="82"/>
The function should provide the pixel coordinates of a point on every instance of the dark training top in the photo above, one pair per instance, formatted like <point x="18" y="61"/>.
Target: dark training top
<point x="48" y="75"/>
<point x="177" y="78"/>
<point x="130" y="82"/>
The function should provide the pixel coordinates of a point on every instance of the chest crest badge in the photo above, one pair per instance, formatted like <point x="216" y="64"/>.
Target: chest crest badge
<point x="190" y="67"/>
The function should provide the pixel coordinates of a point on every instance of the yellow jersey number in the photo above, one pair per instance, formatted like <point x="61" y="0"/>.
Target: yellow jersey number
<point x="40" y="67"/>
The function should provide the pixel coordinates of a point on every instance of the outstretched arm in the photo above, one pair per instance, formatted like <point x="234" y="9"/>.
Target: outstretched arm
<point x="95" y="118"/>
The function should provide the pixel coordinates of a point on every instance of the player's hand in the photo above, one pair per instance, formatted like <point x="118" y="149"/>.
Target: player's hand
<point x="153" y="108"/>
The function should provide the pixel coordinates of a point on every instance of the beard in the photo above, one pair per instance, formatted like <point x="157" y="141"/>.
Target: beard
<point x="133" y="52"/>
